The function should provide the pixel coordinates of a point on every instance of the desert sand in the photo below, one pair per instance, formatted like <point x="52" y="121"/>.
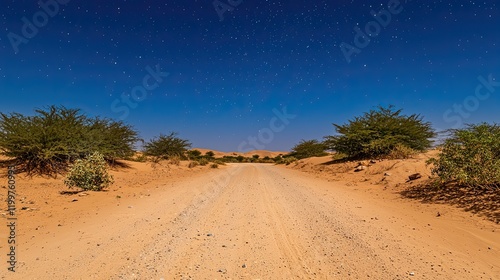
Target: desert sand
<point x="309" y="220"/>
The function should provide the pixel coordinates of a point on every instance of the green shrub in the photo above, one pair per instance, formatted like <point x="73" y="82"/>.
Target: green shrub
<point x="310" y="148"/>
<point x="220" y="162"/>
<point x="203" y="161"/>
<point x="378" y="132"/>
<point x="210" y="154"/>
<point x="166" y="146"/>
<point x="49" y="141"/>
<point x="470" y="157"/>
<point x="287" y="160"/>
<point x="228" y="159"/>
<point x="89" y="174"/>
<point x="193" y="154"/>
<point x="278" y="159"/>
<point x="240" y="158"/>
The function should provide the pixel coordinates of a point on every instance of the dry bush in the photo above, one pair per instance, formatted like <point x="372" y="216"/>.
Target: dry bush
<point x="401" y="152"/>
<point x="175" y="160"/>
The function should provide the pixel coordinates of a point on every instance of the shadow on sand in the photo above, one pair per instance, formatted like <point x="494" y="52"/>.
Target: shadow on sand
<point x="482" y="202"/>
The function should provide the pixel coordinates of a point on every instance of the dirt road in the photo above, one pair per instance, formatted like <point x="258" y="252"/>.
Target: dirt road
<point x="250" y="221"/>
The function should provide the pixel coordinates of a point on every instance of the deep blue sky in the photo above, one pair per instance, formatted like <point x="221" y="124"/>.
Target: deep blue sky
<point x="226" y="76"/>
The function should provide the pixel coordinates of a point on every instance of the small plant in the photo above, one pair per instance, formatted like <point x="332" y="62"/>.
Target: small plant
<point x="214" y="165"/>
<point x="470" y="157"/>
<point x="401" y="152"/>
<point x="193" y="164"/>
<point x="175" y="160"/>
<point x="287" y="160"/>
<point x="203" y="161"/>
<point x="220" y="162"/>
<point x="90" y="173"/>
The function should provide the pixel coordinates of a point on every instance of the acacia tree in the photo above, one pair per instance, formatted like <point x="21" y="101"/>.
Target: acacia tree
<point x="166" y="146"/>
<point x="309" y="148"/>
<point x="378" y="132"/>
<point x="55" y="137"/>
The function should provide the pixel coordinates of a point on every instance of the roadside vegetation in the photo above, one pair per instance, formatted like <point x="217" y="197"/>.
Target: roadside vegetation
<point x="470" y="157"/>
<point x="309" y="148"/>
<point x="382" y="133"/>
<point x="48" y="142"/>
<point x="57" y="140"/>
<point x="89" y="174"/>
<point x="167" y="147"/>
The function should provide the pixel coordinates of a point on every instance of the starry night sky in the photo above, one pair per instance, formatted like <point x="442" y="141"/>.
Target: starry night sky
<point x="227" y="74"/>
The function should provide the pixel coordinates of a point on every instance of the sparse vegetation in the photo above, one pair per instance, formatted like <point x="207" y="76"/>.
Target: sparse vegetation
<point x="470" y="157"/>
<point x="379" y="132"/>
<point x="89" y="174"/>
<point x="175" y="160"/>
<point x="138" y="158"/>
<point x="287" y="160"/>
<point x="203" y="161"/>
<point x="53" y="138"/>
<point x="214" y="165"/>
<point x="220" y="162"/>
<point x="309" y="148"/>
<point x="193" y="164"/>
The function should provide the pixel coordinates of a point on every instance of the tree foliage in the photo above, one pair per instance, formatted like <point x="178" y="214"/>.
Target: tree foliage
<point x="193" y="154"/>
<point x="378" y="132"/>
<point x="48" y="141"/>
<point x="210" y="154"/>
<point x="470" y="157"/>
<point x="167" y="146"/>
<point x="309" y="148"/>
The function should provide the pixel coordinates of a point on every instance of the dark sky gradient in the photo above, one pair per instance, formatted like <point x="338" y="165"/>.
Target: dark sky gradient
<point x="226" y="77"/>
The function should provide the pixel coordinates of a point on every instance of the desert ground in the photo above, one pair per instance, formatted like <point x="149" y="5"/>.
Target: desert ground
<point x="313" y="219"/>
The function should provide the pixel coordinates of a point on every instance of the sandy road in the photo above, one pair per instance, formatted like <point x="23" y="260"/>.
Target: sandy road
<point x="264" y="222"/>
